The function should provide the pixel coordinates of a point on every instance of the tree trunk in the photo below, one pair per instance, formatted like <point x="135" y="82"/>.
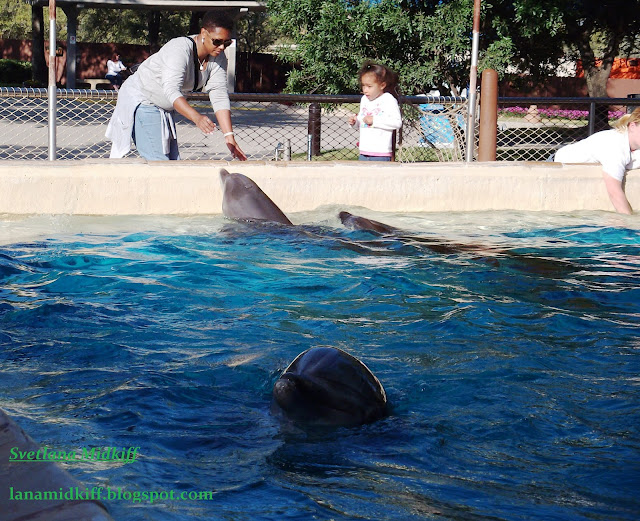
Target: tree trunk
<point x="154" y="31"/>
<point x="38" y="63"/>
<point x="194" y="22"/>
<point x="596" y="78"/>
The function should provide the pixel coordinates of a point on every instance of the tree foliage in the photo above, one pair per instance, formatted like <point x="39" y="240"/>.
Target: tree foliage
<point x="15" y="19"/>
<point x="256" y="32"/>
<point x="129" y="26"/>
<point x="427" y="43"/>
<point x="548" y="33"/>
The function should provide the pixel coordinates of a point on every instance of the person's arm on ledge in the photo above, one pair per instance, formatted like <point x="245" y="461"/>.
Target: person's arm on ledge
<point x="616" y="194"/>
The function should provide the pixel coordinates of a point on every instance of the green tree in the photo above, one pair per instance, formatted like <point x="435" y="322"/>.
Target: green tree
<point x="15" y="19"/>
<point x="113" y="26"/>
<point x="547" y="33"/>
<point x="427" y="43"/>
<point x="255" y="32"/>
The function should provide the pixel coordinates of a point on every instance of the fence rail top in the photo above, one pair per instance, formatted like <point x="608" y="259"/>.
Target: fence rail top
<point x="572" y="101"/>
<point x="29" y="92"/>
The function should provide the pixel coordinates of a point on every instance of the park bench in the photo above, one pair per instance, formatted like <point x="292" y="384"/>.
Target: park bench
<point x="93" y="82"/>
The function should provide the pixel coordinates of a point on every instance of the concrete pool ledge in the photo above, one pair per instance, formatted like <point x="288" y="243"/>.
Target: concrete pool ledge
<point x="137" y="187"/>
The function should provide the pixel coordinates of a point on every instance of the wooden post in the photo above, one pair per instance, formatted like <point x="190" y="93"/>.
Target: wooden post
<point x="488" y="116"/>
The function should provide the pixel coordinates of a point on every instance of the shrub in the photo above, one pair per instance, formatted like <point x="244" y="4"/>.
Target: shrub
<point x="14" y="72"/>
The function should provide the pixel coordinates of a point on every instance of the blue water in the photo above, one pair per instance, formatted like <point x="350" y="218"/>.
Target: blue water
<point x="512" y="366"/>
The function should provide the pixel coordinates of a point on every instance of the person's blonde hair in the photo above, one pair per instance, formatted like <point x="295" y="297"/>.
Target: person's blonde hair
<point x="622" y="123"/>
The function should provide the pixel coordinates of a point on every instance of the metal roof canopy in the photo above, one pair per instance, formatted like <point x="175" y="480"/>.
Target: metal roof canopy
<point x="167" y="5"/>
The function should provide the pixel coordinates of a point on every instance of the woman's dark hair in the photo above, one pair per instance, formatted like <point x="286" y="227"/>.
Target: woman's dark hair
<point x="383" y="74"/>
<point x="217" y="19"/>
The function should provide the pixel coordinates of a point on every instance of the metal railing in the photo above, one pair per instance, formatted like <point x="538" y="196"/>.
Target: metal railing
<point x="304" y="127"/>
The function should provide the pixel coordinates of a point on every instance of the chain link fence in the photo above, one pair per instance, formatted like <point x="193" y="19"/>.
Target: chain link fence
<point x="532" y="129"/>
<point x="267" y="127"/>
<point x="303" y="127"/>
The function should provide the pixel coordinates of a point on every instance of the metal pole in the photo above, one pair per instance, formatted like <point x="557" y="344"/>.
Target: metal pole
<point x="52" y="80"/>
<point x="473" y="82"/>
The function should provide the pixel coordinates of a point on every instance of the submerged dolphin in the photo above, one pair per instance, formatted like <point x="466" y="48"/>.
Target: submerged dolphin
<point x="327" y="386"/>
<point x="242" y="199"/>
<point x="356" y="222"/>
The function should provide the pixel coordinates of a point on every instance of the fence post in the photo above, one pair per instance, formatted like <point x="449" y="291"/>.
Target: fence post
<point x="592" y="117"/>
<point x="52" y="80"/>
<point x="393" y="145"/>
<point x="314" y="128"/>
<point x="488" y="116"/>
<point x="473" y="79"/>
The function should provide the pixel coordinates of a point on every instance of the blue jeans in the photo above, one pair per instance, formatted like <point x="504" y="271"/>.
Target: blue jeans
<point x="374" y="158"/>
<point x="147" y="136"/>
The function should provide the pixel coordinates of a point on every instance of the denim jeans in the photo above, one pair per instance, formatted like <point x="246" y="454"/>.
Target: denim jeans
<point x="147" y="135"/>
<point x="374" y="158"/>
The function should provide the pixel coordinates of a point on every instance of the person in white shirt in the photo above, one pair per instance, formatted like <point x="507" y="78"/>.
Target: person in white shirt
<point x="617" y="150"/>
<point x="147" y="99"/>
<point x="114" y="68"/>
<point x="379" y="112"/>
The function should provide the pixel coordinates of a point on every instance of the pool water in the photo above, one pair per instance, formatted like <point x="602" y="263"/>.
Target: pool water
<point x="511" y="363"/>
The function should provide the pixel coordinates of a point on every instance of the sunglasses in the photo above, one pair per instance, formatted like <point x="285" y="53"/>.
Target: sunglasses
<point x="217" y="42"/>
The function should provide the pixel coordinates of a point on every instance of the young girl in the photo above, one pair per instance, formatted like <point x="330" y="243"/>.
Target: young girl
<point x="379" y="113"/>
<point x="616" y="150"/>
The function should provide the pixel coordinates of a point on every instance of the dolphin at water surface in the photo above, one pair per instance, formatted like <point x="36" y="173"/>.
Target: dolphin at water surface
<point x="356" y="222"/>
<point x="327" y="386"/>
<point x="243" y="200"/>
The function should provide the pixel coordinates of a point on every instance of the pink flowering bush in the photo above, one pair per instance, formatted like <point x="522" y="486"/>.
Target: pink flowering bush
<point x="573" y="114"/>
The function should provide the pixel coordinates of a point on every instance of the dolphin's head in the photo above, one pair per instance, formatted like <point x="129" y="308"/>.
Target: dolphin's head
<point x="355" y="222"/>
<point x="242" y="199"/>
<point x="329" y="387"/>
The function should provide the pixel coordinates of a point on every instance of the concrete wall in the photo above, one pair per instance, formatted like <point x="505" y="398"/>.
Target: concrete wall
<point x="135" y="187"/>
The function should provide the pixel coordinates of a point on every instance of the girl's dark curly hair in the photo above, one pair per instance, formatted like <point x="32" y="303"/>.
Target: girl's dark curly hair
<point x="383" y="74"/>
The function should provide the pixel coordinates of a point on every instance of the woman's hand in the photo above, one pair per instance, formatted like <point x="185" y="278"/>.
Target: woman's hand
<point x="235" y="150"/>
<point x="205" y="124"/>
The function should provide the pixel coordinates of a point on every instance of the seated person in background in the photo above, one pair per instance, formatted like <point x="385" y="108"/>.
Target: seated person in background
<point x="114" y="68"/>
<point x="617" y="150"/>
